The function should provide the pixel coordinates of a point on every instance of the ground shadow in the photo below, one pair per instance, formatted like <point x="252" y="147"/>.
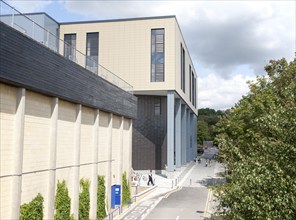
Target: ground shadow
<point x="212" y="181"/>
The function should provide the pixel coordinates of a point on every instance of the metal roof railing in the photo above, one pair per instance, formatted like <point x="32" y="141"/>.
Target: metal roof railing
<point x="27" y="26"/>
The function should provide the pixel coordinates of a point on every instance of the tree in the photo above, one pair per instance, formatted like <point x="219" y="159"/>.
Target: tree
<point x="207" y="119"/>
<point x="257" y="141"/>
<point x="203" y="132"/>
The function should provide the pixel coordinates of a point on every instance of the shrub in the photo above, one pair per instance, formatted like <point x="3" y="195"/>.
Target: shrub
<point x="84" y="200"/>
<point x="62" y="202"/>
<point x="126" y="194"/>
<point x="101" y="211"/>
<point x="32" y="210"/>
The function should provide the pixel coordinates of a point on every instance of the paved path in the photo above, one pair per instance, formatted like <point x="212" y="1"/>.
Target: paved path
<point x="190" y="199"/>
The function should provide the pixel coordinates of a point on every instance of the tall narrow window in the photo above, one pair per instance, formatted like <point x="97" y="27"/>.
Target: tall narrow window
<point x="92" y="51"/>
<point x="70" y="46"/>
<point x="190" y="84"/>
<point x="182" y="68"/>
<point x="192" y="87"/>
<point x="157" y="107"/>
<point x="157" y="55"/>
<point x="194" y="92"/>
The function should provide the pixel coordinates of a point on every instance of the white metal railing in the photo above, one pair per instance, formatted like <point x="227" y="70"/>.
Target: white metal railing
<point x="27" y="26"/>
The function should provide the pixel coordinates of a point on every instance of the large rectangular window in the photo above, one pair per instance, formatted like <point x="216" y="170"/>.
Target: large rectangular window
<point x="70" y="46"/>
<point x="92" y="51"/>
<point x="182" y="68"/>
<point x="157" y="55"/>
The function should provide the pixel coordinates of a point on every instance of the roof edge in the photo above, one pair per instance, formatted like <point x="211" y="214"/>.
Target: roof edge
<point x="119" y="20"/>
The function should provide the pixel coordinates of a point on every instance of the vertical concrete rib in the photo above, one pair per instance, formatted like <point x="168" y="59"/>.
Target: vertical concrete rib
<point x="49" y="210"/>
<point x="187" y="134"/>
<point x="109" y="160"/>
<point x="77" y="137"/>
<point x="94" y="175"/>
<point x="18" y="154"/>
<point x="183" y="135"/>
<point x="178" y="133"/>
<point x="120" y="154"/>
<point x="170" y="130"/>
<point x="130" y="148"/>
<point x="195" y="134"/>
<point x="191" y="136"/>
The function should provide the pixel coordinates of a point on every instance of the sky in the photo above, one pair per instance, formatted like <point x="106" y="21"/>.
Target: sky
<point x="229" y="42"/>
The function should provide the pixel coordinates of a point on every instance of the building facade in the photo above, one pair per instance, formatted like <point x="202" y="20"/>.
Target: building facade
<point x="150" y="54"/>
<point x="59" y="121"/>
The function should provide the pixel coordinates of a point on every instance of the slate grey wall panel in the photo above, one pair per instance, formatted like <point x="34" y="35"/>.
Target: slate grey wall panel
<point x="28" y="64"/>
<point x="149" y="135"/>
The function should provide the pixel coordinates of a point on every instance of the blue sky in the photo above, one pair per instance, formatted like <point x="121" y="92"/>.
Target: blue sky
<point x="229" y="41"/>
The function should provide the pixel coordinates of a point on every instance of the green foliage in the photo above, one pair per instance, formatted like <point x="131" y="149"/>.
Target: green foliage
<point x="207" y="119"/>
<point x="32" y="210"/>
<point x="101" y="211"/>
<point x="84" y="200"/>
<point x="62" y="202"/>
<point x="257" y="141"/>
<point x="126" y="194"/>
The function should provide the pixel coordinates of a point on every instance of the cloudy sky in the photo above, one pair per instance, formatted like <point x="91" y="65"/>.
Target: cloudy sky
<point x="229" y="41"/>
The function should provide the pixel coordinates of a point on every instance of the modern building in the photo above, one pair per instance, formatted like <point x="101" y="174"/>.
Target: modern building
<point x="65" y="117"/>
<point x="58" y="120"/>
<point x="151" y="54"/>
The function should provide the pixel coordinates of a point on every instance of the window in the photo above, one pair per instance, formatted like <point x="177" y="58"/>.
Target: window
<point x="193" y="90"/>
<point x="182" y="68"/>
<point x="92" y="50"/>
<point x="192" y="87"/>
<point x="70" y="46"/>
<point x="157" y="55"/>
<point x="190" y="83"/>
<point x="157" y="107"/>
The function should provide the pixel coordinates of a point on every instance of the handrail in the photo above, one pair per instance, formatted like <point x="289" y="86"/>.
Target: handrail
<point x="30" y="28"/>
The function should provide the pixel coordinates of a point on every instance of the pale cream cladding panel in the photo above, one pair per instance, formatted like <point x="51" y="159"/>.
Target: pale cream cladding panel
<point x="65" y="134"/>
<point x="125" y="49"/>
<point x="5" y="198"/>
<point x="7" y="117"/>
<point x="87" y="122"/>
<point x="86" y="147"/>
<point x="127" y="147"/>
<point x="103" y="144"/>
<point x="116" y="136"/>
<point x="36" y="132"/>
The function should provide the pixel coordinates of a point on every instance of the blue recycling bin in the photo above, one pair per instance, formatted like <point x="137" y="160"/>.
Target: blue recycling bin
<point x="115" y="195"/>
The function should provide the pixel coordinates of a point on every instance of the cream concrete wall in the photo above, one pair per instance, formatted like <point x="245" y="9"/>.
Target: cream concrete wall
<point x="185" y="96"/>
<point x="8" y="109"/>
<point x="116" y="150"/>
<point x="37" y="130"/>
<point x="126" y="148"/>
<point x="103" y="142"/>
<point x="35" y="146"/>
<point x="125" y="50"/>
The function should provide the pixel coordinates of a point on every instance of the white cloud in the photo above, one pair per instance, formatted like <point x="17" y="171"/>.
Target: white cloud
<point x="220" y="93"/>
<point x="29" y="6"/>
<point x="228" y="40"/>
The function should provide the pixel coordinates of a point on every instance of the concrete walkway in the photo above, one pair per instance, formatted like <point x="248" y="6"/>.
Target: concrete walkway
<point x="191" y="175"/>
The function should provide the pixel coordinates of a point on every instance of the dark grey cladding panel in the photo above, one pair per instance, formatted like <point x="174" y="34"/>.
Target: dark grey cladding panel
<point x="149" y="135"/>
<point x="29" y="64"/>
